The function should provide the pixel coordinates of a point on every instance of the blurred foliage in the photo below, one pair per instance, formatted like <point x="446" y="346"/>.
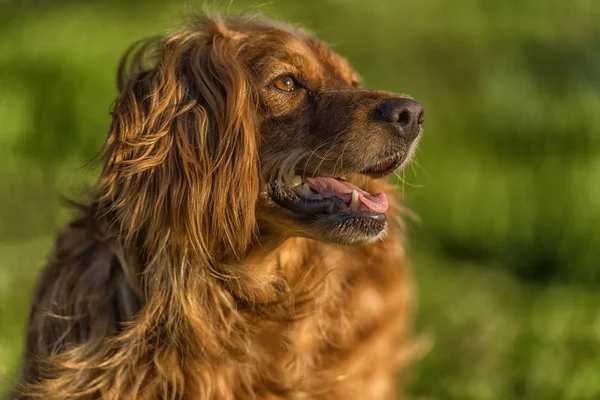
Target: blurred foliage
<point x="505" y="183"/>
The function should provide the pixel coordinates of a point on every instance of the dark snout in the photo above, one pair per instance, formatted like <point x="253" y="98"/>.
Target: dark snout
<point x="357" y="130"/>
<point x="406" y="114"/>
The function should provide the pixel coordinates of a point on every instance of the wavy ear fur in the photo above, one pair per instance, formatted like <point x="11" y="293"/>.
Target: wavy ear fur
<point x="179" y="190"/>
<point x="181" y="169"/>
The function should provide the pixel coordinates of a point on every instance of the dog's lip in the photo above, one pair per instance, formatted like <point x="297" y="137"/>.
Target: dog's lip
<point x="385" y="166"/>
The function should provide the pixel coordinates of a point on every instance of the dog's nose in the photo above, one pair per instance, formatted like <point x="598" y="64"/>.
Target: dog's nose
<point x="406" y="113"/>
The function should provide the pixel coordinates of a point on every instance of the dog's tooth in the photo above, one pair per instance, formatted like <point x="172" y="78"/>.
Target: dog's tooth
<point x="305" y="190"/>
<point x="297" y="180"/>
<point x="354" y="204"/>
<point x="331" y="207"/>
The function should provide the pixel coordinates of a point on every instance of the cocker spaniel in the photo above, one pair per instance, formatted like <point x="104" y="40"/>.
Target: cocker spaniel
<point x="241" y="241"/>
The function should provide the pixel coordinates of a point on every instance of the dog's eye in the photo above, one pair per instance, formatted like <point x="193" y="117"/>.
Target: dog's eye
<point x="285" y="83"/>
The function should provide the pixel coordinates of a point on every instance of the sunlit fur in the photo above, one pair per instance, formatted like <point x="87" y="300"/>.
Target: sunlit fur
<point x="181" y="280"/>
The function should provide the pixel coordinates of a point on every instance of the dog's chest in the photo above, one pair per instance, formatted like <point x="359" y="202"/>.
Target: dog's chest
<point x="346" y="343"/>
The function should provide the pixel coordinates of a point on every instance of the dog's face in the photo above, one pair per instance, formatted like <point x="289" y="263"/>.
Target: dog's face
<point x="323" y="138"/>
<point x="242" y="125"/>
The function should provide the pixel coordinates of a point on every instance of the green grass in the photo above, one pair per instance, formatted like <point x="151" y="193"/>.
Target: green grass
<point x="19" y="264"/>
<point x="505" y="184"/>
<point x="499" y="338"/>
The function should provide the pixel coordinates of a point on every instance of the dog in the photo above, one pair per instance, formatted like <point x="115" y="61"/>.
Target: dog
<point x="241" y="241"/>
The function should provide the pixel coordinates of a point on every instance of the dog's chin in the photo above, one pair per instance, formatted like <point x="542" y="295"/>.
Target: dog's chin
<point x="335" y="209"/>
<point x="350" y="229"/>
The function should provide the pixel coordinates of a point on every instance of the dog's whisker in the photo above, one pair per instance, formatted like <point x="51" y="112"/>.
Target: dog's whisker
<point x="308" y="160"/>
<point x="404" y="181"/>
<point x="314" y="152"/>
<point x="341" y="160"/>
<point x="331" y="147"/>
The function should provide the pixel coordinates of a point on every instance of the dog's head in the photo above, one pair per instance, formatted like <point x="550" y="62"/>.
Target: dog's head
<point x="243" y="121"/>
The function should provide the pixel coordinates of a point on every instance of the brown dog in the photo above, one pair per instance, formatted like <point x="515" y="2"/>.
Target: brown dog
<point x="237" y="243"/>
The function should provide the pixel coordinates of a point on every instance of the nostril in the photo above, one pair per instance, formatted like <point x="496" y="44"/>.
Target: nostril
<point x="403" y="112"/>
<point x="403" y="118"/>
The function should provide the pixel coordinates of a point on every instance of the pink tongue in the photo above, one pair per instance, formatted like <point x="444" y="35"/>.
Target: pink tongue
<point x="329" y="187"/>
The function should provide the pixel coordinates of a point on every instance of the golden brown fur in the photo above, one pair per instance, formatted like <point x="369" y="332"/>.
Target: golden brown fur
<point x="181" y="279"/>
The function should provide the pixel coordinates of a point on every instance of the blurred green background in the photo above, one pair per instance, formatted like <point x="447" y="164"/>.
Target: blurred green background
<point x="506" y="184"/>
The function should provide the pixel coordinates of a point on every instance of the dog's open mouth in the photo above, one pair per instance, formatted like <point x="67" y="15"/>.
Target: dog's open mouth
<point x="330" y="196"/>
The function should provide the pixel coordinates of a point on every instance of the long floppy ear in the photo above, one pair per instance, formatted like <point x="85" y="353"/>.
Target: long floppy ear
<point x="181" y="168"/>
<point x="179" y="188"/>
